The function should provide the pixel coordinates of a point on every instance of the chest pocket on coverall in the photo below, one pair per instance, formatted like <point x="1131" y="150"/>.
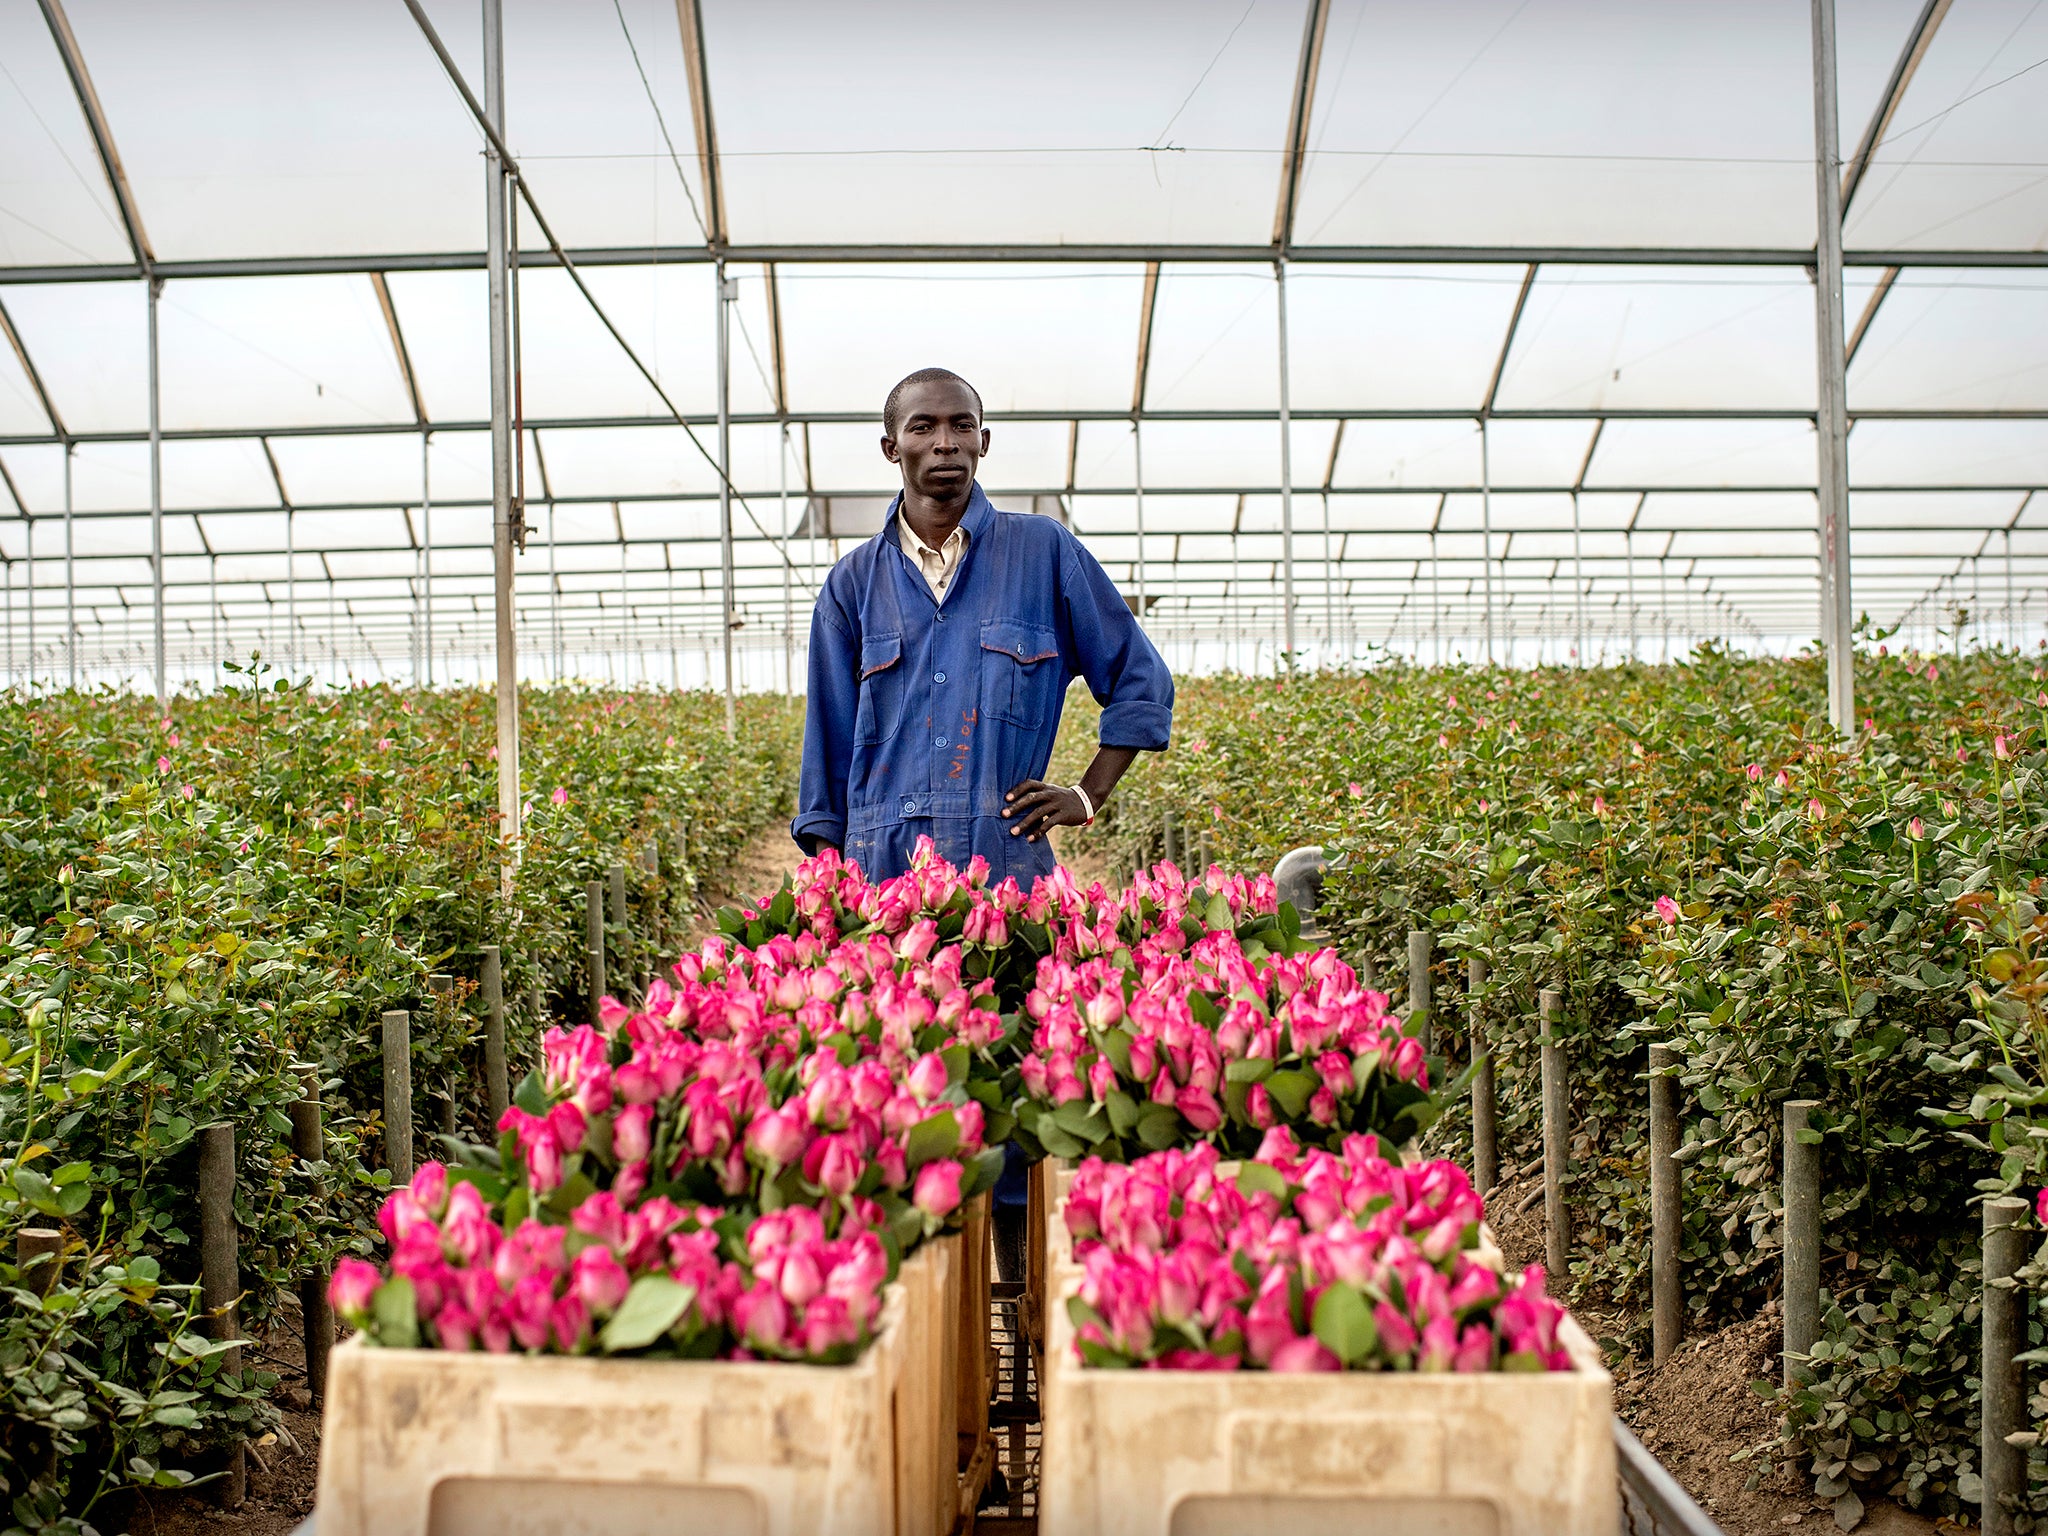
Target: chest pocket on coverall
<point x="1020" y="670"/>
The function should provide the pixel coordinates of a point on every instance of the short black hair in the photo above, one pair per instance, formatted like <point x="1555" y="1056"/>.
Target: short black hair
<point x="892" y="408"/>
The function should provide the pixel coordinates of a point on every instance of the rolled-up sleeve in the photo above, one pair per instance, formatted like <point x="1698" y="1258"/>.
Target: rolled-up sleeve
<point x="1124" y="671"/>
<point x="828" y="727"/>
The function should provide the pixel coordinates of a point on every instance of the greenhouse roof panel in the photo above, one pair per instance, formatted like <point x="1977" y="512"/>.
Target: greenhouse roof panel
<point x="1947" y="339"/>
<point x="1959" y="167"/>
<point x="1395" y="337"/>
<point x="1078" y="123"/>
<point x="250" y="129"/>
<point x="1030" y="338"/>
<point x="1603" y="123"/>
<point x="90" y="343"/>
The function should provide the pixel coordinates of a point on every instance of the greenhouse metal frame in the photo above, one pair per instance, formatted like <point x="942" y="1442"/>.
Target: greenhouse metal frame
<point x="1439" y="468"/>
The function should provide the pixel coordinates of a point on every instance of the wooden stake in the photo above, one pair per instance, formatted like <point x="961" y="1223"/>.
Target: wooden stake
<point x="219" y="1278"/>
<point x="440" y="985"/>
<point x="398" y="1095"/>
<point x="1550" y="1004"/>
<point x="1421" y="992"/>
<point x="1667" y="1300"/>
<point x="1802" y="1240"/>
<point x="39" y="1258"/>
<point x="2004" y="1466"/>
<point x="1485" y="1109"/>
<point x="593" y="942"/>
<point x="309" y="1145"/>
<point x="497" y="1082"/>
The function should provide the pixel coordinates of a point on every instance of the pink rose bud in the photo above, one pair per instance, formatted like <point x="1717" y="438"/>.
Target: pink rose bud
<point x="633" y="1133"/>
<point x="1917" y="830"/>
<point x="928" y="1079"/>
<point x="1667" y="911"/>
<point x="937" y="1191"/>
<point x="355" y="1283"/>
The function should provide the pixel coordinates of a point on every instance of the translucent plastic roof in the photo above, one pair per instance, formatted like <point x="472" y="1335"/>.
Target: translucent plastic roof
<point x="1549" y="314"/>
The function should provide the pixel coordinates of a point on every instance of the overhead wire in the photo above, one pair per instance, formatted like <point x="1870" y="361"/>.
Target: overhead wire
<point x="512" y="168"/>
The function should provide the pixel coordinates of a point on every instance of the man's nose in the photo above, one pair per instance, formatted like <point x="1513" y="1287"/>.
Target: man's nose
<point x="946" y="442"/>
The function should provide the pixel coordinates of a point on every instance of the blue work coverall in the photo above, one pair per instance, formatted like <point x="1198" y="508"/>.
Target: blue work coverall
<point x="922" y="715"/>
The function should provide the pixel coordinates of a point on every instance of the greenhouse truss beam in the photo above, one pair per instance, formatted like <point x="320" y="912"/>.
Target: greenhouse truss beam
<point x="1025" y="255"/>
<point x="796" y="419"/>
<point x="1301" y="109"/>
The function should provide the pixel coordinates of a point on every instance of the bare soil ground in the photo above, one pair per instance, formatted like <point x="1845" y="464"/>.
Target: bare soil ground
<point x="1700" y="1409"/>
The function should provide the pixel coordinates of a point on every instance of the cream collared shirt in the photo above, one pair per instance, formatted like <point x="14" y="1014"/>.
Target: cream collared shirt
<point x="936" y="565"/>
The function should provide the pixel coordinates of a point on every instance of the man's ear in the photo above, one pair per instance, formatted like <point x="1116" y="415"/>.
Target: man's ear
<point x="889" y="448"/>
<point x="984" y="442"/>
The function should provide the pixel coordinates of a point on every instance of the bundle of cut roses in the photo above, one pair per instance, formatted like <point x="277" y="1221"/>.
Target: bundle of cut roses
<point x="1303" y="1260"/>
<point x="658" y="1278"/>
<point x="1167" y="1043"/>
<point x="1004" y="930"/>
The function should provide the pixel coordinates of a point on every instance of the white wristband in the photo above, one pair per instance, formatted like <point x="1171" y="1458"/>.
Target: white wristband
<point x="1086" y="805"/>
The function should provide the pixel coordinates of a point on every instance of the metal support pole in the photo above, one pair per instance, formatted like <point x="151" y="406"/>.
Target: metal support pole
<point x="2004" y="1466"/>
<point x="1832" y="420"/>
<point x="309" y="1146"/>
<point x="1485" y="1108"/>
<point x="71" y="584"/>
<point x="497" y="1079"/>
<point x="1286" y="471"/>
<point x="725" y="568"/>
<point x="219" y="1275"/>
<point x="397" y="1025"/>
<point x="1549" y="1004"/>
<point x="593" y="942"/>
<point x="156" y="494"/>
<point x="1802" y="1239"/>
<point x="1421" y="989"/>
<point x="427" y="555"/>
<point x="498" y="245"/>
<point x="788" y="577"/>
<point x="1138" y="485"/>
<point x="291" y="594"/>
<point x="1486" y="526"/>
<point x="1667" y="1301"/>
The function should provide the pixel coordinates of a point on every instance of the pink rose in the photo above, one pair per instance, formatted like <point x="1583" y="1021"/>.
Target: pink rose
<point x="937" y="1191"/>
<point x="355" y="1284"/>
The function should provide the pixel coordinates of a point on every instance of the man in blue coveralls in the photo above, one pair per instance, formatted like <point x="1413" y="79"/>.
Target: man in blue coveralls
<point x="941" y="651"/>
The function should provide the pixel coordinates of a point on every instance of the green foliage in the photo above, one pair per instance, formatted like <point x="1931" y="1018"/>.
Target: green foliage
<point x="201" y="915"/>
<point x="1854" y="923"/>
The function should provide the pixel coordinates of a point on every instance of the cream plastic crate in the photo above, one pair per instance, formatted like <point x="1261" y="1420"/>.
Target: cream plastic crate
<point x="1198" y="1453"/>
<point x="927" y="1405"/>
<point x="423" y="1443"/>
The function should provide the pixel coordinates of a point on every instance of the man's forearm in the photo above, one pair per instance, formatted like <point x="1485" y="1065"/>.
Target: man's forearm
<point x="1109" y="766"/>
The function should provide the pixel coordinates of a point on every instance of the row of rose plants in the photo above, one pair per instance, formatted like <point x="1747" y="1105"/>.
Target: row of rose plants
<point x="210" y="903"/>
<point x="1691" y="854"/>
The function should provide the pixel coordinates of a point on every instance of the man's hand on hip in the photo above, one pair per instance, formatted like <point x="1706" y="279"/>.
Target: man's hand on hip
<point x="1036" y="807"/>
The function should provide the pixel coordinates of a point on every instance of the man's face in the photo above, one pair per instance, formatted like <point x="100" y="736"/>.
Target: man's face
<point x="938" y="441"/>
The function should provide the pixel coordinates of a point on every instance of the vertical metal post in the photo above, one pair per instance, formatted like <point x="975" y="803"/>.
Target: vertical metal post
<point x="219" y="1276"/>
<point x="788" y="576"/>
<point x="156" y="494"/>
<point x="397" y="1026"/>
<point x="1286" y="470"/>
<point x="29" y="540"/>
<point x="70" y="582"/>
<point x="291" y="594"/>
<point x="1138" y="484"/>
<point x="309" y="1146"/>
<point x="725" y="570"/>
<point x="498" y="228"/>
<point x="1486" y="527"/>
<point x="2004" y="1467"/>
<point x="497" y="1077"/>
<point x="1549" y="1004"/>
<point x="1832" y="420"/>
<point x="593" y="942"/>
<point x="1421" y="986"/>
<point x="1802" y="1238"/>
<point x="1485" y="1108"/>
<point x="1578" y="588"/>
<point x="1667" y="1301"/>
<point x="427" y="555"/>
